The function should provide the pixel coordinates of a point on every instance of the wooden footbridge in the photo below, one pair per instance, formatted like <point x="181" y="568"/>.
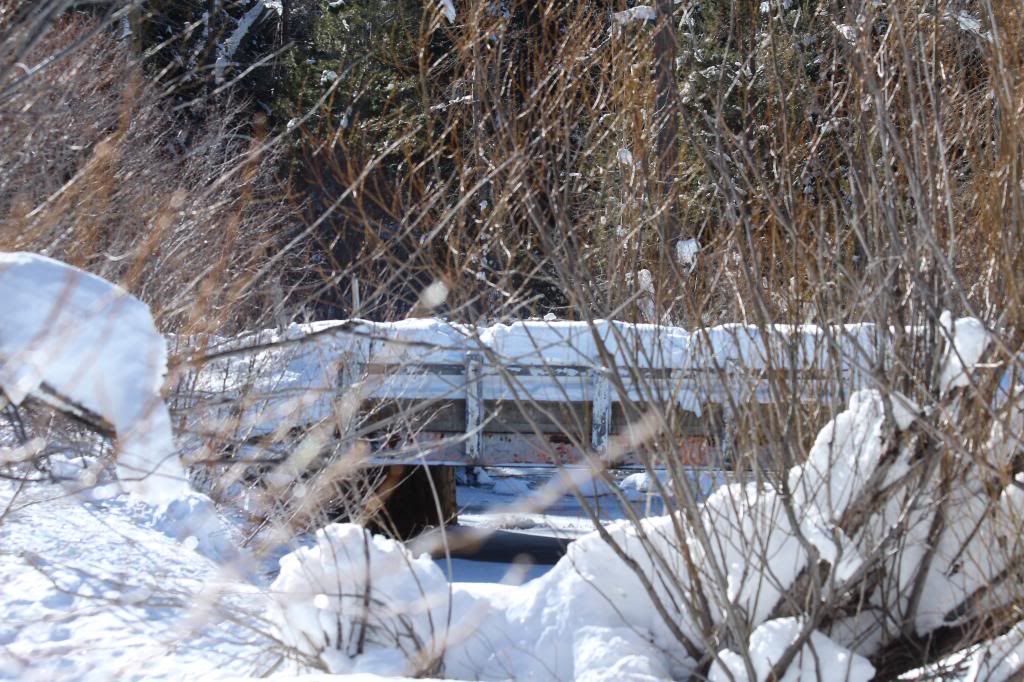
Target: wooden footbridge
<point x="428" y="392"/>
<point x="531" y="393"/>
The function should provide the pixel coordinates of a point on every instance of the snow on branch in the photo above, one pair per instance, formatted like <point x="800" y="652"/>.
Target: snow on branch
<point x="640" y="13"/>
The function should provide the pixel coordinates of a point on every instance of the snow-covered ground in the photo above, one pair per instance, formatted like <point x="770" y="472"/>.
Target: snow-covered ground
<point x="97" y="591"/>
<point x="105" y="589"/>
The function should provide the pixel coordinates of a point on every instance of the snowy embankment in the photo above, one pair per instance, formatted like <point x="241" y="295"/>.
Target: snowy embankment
<point x="95" y="589"/>
<point x="95" y="583"/>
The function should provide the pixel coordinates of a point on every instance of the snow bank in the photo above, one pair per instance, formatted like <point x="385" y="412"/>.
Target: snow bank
<point x="755" y="550"/>
<point x="95" y="592"/>
<point x="95" y="345"/>
<point x="362" y="603"/>
<point x="563" y="617"/>
<point x="515" y="487"/>
<point x="819" y="659"/>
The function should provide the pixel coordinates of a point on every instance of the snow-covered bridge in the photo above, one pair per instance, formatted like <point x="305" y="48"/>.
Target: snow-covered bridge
<point x="534" y="392"/>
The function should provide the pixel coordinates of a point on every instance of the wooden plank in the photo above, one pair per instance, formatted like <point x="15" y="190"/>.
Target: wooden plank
<point x="544" y="417"/>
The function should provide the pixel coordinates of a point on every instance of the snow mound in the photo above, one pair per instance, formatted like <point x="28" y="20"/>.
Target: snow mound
<point x="968" y="340"/>
<point x="193" y="521"/>
<point x="590" y="485"/>
<point x="603" y="654"/>
<point x="637" y="487"/>
<point x="820" y="658"/>
<point x="361" y="603"/>
<point x="514" y="487"/>
<point x="95" y="345"/>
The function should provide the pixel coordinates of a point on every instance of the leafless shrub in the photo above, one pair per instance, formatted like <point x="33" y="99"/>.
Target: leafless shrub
<point x="856" y="164"/>
<point x="97" y="171"/>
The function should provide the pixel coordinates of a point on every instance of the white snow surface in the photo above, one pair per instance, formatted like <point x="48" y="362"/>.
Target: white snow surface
<point x="96" y="345"/>
<point x="639" y="13"/>
<point x="448" y="9"/>
<point x="686" y="252"/>
<point x="97" y="591"/>
<point x="818" y="659"/>
<point x="968" y="340"/>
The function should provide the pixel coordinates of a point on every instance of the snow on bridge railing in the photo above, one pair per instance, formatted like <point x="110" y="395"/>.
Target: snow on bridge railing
<point x="460" y="378"/>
